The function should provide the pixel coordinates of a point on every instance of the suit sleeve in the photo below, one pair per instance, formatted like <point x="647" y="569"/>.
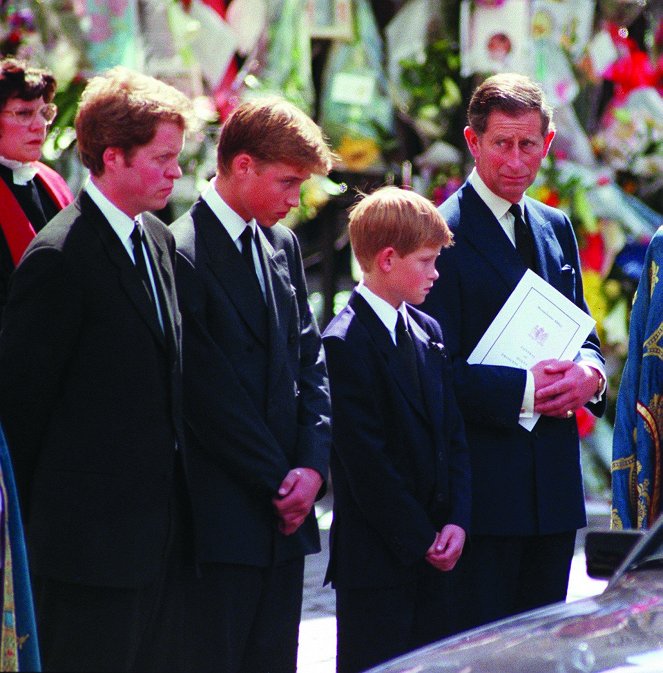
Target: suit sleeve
<point x="40" y="330"/>
<point x="216" y="403"/>
<point x="591" y="349"/>
<point x="459" y="457"/>
<point x="487" y="394"/>
<point x="314" y="408"/>
<point x="359" y="444"/>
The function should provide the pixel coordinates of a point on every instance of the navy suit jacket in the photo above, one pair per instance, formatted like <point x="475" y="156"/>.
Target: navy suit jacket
<point x="255" y="384"/>
<point x="90" y="399"/>
<point x="399" y="459"/>
<point x="523" y="483"/>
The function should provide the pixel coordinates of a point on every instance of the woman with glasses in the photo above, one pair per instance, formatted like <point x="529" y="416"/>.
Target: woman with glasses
<point x="31" y="193"/>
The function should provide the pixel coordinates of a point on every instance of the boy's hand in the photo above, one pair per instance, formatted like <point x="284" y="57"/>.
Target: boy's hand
<point x="296" y="497"/>
<point x="447" y="548"/>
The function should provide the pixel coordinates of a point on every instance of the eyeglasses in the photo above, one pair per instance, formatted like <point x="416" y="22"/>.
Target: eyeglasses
<point x="26" y="117"/>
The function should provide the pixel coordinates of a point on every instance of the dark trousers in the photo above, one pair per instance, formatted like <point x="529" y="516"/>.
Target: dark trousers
<point x="376" y="624"/>
<point x="243" y="619"/>
<point x="97" y="628"/>
<point x="502" y="576"/>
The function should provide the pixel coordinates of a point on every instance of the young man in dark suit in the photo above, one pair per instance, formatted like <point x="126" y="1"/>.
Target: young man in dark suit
<point x="90" y="390"/>
<point x="256" y="398"/>
<point x="527" y="486"/>
<point x="399" y="460"/>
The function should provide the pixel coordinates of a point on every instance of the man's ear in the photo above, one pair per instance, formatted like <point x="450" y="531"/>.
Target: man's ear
<point x="241" y="164"/>
<point x="546" y="142"/>
<point x="113" y="157"/>
<point x="472" y="140"/>
<point x="385" y="258"/>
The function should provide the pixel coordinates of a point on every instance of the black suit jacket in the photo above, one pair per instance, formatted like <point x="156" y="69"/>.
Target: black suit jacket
<point x="523" y="483"/>
<point x="400" y="467"/>
<point x="90" y="397"/>
<point x="256" y="396"/>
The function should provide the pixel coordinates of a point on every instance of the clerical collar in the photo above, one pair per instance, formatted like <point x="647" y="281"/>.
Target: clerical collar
<point x="22" y="172"/>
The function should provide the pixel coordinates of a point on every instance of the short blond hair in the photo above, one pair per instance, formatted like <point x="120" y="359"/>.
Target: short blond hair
<point x="397" y="218"/>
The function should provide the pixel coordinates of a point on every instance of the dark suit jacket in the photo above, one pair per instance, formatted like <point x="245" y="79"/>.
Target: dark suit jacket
<point x="400" y="467"/>
<point x="90" y="398"/>
<point x="256" y="397"/>
<point x="523" y="483"/>
<point x="38" y="212"/>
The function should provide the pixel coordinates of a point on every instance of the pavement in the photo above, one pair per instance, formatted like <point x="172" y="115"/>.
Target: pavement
<point x="317" y="631"/>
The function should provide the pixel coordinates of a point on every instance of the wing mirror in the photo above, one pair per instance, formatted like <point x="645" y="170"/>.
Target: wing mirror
<point x="606" y="550"/>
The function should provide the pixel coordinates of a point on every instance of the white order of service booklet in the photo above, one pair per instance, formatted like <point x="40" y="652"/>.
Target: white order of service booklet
<point x="537" y="322"/>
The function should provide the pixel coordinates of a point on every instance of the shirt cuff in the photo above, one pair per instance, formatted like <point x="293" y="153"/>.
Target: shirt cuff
<point x="527" y="406"/>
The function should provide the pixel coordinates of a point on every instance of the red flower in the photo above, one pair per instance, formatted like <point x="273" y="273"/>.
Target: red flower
<point x="592" y="252"/>
<point x="586" y="422"/>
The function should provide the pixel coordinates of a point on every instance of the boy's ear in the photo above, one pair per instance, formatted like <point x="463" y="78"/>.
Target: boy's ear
<point x="384" y="259"/>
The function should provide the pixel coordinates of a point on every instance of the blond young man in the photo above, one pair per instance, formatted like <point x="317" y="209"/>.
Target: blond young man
<point x="257" y="405"/>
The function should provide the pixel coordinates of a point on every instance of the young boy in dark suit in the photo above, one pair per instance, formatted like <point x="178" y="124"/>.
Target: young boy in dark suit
<point x="399" y="461"/>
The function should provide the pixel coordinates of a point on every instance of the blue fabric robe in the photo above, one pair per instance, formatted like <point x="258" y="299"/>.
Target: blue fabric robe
<point x="19" y="630"/>
<point x="636" y="450"/>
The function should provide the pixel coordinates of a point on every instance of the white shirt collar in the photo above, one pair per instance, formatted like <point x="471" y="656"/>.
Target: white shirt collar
<point x="498" y="206"/>
<point x="383" y="309"/>
<point x="121" y="223"/>
<point x="232" y="222"/>
<point x="22" y="172"/>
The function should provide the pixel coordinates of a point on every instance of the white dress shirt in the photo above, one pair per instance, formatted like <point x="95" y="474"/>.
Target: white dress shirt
<point x="387" y="314"/>
<point x="233" y="224"/>
<point x="123" y="225"/>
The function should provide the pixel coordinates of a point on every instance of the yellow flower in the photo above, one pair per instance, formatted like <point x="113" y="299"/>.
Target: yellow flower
<point x="358" y="153"/>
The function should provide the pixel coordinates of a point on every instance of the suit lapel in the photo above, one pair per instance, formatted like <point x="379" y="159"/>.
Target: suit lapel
<point x="429" y="361"/>
<point x="163" y="282"/>
<point x="228" y="267"/>
<point x="484" y="233"/>
<point x="118" y="255"/>
<point x="279" y="297"/>
<point x="548" y="251"/>
<point x="382" y="339"/>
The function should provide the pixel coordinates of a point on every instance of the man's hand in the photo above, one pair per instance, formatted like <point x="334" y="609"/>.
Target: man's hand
<point x="563" y="386"/>
<point x="296" y="497"/>
<point x="444" y="553"/>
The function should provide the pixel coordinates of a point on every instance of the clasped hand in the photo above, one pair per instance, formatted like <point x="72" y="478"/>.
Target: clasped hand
<point x="445" y="551"/>
<point x="562" y="386"/>
<point x="296" y="496"/>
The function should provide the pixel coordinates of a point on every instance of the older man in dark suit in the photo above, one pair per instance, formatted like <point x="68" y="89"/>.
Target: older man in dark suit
<point x="527" y="486"/>
<point x="90" y="390"/>
<point x="256" y="399"/>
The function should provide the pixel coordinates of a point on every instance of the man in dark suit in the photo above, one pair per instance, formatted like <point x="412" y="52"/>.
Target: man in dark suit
<point x="527" y="486"/>
<point x="399" y="461"/>
<point x="256" y="398"/>
<point x="90" y="390"/>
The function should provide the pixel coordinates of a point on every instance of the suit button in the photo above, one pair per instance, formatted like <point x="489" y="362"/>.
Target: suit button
<point x="439" y="497"/>
<point x="440" y="456"/>
<point x="292" y="338"/>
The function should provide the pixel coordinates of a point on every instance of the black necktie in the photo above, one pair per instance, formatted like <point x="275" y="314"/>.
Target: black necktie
<point x="406" y="350"/>
<point x="246" y="237"/>
<point x="139" y="259"/>
<point x="524" y="240"/>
